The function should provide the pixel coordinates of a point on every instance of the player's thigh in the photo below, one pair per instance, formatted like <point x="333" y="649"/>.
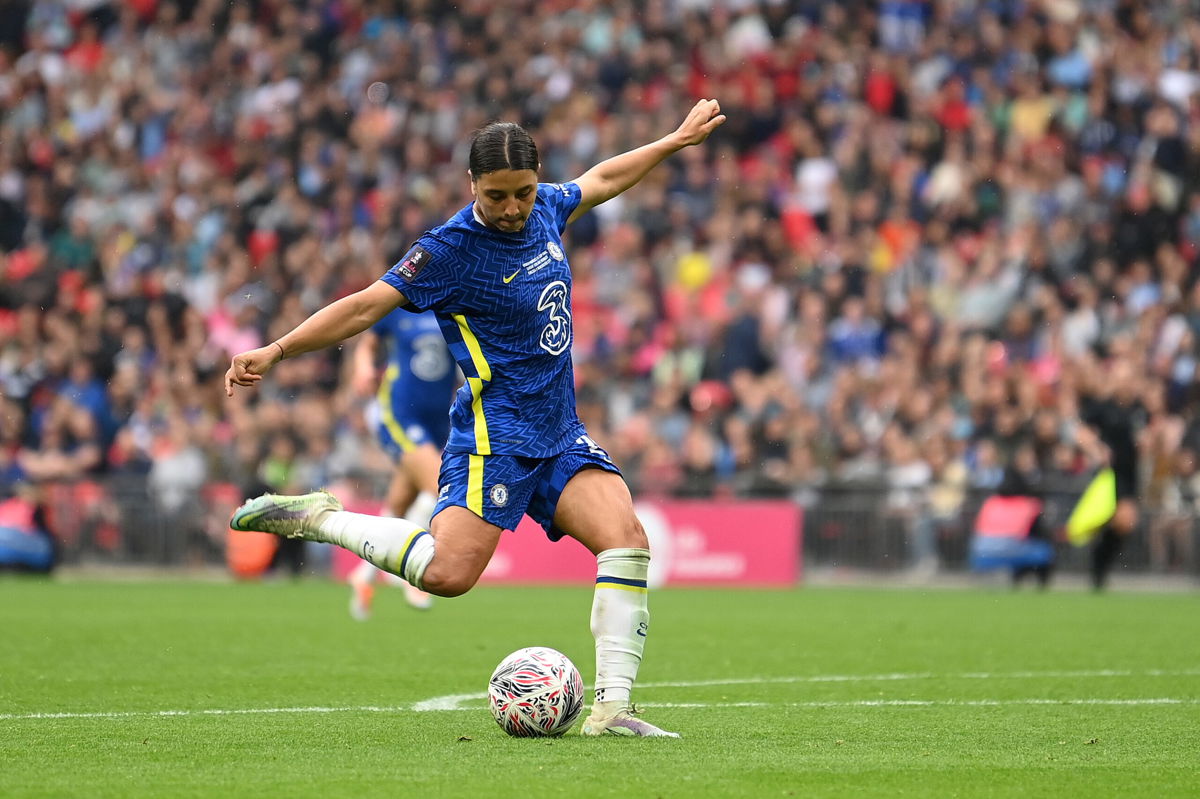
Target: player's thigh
<point x="465" y="544"/>
<point x="596" y="509"/>
<point x="420" y="466"/>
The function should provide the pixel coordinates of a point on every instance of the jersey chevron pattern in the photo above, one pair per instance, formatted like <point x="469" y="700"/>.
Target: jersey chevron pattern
<point x="503" y="301"/>
<point x="420" y="375"/>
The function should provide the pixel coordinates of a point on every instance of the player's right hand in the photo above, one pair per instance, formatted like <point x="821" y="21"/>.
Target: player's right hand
<point x="247" y="368"/>
<point x="703" y="119"/>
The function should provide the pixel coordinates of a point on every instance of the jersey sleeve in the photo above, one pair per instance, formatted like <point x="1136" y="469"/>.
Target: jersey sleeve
<point x="425" y="275"/>
<point x="562" y="199"/>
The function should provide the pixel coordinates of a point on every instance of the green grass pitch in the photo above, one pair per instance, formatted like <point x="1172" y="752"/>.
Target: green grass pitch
<point x="188" y="689"/>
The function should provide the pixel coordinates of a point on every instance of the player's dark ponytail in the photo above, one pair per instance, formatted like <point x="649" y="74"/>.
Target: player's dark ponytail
<point x="502" y="145"/>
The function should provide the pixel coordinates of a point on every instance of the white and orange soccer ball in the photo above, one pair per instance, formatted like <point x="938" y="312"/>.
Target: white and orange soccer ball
<point x="536" y="692"/>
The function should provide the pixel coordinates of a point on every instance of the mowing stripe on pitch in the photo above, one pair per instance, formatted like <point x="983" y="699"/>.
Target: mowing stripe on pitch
<point x="453" y="702"/>
<point x="969" y="675"/>
<point x="250" y="711"/>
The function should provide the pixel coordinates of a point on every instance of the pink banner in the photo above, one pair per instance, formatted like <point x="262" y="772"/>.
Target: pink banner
<point x="694" y="543"/>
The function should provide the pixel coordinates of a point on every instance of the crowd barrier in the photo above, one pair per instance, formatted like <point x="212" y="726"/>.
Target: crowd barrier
<point x="750" y="543"/>
<point x="766" y="542"/>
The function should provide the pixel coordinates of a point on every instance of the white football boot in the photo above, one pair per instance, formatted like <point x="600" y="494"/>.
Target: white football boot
<point x="623" y="723"/>
<point x="286" y="516"/>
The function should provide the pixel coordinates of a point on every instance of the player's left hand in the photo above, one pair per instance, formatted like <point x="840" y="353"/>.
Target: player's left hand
<point x="703" y="119"/>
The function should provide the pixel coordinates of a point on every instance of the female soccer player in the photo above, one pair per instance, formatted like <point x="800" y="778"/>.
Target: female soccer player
<point x="497" y="277"/>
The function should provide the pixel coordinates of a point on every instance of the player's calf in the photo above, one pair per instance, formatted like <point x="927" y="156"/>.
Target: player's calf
<point x="395" y="545"/>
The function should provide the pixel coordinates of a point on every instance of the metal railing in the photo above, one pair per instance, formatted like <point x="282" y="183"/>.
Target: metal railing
<point x="858" y="527"/>
<point x="121" y="521"/>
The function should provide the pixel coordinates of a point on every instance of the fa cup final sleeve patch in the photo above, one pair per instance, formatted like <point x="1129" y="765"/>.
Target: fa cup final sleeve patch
<point x="412" y="263"/>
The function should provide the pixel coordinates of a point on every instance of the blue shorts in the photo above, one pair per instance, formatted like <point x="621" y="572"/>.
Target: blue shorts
<point x="501" y="489"/>
<point x="398" y="433"/>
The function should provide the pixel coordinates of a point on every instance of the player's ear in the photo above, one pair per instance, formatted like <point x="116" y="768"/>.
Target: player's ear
<point x="472" y="178"/>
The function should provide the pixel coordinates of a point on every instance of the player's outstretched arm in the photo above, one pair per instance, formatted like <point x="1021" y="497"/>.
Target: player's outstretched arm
<point x="335" y="322"/>
<point x="609" y="178"/>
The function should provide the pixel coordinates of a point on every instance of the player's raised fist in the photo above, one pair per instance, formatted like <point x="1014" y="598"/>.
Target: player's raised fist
<point x="703" y="119"/>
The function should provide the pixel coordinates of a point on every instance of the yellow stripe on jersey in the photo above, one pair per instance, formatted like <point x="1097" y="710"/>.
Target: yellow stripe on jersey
<point x="384" y="397"/>
<point x="482" y="368"/>
<point x="475" y="484"/>
<point x="483" y="444"/>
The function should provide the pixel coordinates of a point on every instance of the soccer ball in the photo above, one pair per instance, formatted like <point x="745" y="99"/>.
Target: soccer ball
<point x="535" y="692"/>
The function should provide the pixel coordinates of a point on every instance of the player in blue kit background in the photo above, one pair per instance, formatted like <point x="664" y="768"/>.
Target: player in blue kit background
<point x="411" y="417"/>
<point x="497" y="277"/>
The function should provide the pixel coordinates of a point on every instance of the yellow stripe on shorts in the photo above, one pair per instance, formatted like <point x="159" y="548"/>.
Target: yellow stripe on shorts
<point x="475" y="484"/>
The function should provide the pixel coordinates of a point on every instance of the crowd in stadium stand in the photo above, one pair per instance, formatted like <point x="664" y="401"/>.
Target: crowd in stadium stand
<point x="928" y="229"/>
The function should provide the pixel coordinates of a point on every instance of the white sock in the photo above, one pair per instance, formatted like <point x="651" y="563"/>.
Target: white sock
<point x="395" y="545"/>
<point x="620" y="621"/>
<point x="388" y="577"/>
<point x="421" y="510"/>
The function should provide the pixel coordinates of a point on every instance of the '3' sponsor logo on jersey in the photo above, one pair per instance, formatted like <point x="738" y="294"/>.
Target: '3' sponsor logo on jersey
<point x="556" y="335"/>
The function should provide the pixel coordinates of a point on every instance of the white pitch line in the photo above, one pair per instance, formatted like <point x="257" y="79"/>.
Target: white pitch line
<point x="1165" y="700"/>
<point x="968" y="675"/>
<point x="448" y="702"/>
<point x="204" y="712"/>
<point x="452" y="702"/>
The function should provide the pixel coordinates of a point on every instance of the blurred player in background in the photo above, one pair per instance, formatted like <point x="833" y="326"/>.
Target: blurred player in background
<point x="497" y="277"/>
<point x="412" y="420"/>
<point x="26" y="543"/>
<point x="1115" y="416"/>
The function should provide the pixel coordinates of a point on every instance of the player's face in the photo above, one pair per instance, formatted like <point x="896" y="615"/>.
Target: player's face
<point x="505" y="198"/>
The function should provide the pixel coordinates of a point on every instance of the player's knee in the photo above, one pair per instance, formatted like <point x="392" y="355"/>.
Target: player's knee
<point x="447" y="583"/>
<point x="635" y="535"/>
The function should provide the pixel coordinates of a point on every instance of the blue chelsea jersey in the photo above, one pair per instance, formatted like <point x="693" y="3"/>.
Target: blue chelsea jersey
<point x="503" y="302"/>
<point x="420" y="375"/>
